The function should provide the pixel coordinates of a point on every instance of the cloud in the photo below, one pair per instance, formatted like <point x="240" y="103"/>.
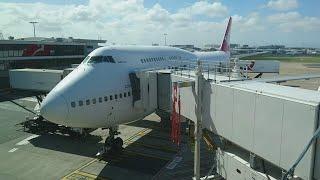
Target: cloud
<point x="294" y="21"/>
<point x="205" y="8"/>
<point x="282" y="5"/>
<point x="249" y="23"/>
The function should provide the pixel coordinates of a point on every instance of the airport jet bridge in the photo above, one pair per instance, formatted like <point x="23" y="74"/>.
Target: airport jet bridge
<point x="262" y="128"/>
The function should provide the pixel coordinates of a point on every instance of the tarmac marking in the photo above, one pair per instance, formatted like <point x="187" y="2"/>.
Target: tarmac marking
<point x="26" y="140"/>
<point x="90" y="176"/>
<point x="174" y="162"/>
<point x="30" y="99"/>
<point x="140" y="133"/>
<point x="77" y="170"/>
<point x="13" y="150"/>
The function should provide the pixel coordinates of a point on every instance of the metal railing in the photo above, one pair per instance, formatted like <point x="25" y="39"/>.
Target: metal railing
<point x="210" y="69"/>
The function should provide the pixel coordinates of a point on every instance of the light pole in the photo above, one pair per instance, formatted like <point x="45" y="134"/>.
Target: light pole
<point x="34" y="27"/>
<point x="165" y="38"/>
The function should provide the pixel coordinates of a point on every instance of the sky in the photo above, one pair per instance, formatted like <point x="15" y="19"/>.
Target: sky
<point x="293" y="23"/>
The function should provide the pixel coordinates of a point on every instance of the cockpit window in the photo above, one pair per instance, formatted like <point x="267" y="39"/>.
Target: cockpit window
<point x="99" y="59"/>
<point x="110" y="59"/>
<point x="96" y="59"/>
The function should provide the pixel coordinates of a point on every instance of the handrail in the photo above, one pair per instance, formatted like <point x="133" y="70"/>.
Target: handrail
<point x="209" y="68"/>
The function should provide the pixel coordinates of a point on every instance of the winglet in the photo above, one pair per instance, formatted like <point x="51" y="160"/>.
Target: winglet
<point x="225" y="46"/>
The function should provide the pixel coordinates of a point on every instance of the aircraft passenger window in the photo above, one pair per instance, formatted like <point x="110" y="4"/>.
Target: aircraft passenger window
<point x="96" y="59"/>
<point x="80" y="103"/>
<point x="87" y="102"/>
<point x="106" y="98"/>
<point x="129" y="93"/>
<point x="124" y="94"/>
<point x="94" y="101"/>
<point x="73" y="104"/>
<point x="110" y="97"/>
<point x="115" y="96"/>
<point x="120" y="95"/>
<point x="100" y="99"/>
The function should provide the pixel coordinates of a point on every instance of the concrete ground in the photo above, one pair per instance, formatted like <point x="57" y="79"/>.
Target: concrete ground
<point x="148" y="152"/>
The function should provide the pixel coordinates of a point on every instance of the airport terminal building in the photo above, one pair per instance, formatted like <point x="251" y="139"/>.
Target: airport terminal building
<point x="38" y="52"/>
<point x="44" y="52"/>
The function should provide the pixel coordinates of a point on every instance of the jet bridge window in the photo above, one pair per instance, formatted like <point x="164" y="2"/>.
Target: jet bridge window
<point x="73" y="104"/>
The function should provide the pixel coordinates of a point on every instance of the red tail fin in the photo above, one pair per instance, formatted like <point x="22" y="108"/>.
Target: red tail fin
<point x="225" y="46"/>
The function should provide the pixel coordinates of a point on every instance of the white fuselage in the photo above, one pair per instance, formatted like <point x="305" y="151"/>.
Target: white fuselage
<point x="98" y="92"/>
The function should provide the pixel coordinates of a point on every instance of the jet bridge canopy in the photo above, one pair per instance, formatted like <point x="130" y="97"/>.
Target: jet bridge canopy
<point x="272" y="121"/>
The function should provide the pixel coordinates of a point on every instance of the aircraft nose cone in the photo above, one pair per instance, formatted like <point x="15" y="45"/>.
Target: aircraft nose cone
<point x="55" y="109"/>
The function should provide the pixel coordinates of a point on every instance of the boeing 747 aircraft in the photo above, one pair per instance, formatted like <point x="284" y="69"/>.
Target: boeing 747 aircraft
<point x="98" y="93"/>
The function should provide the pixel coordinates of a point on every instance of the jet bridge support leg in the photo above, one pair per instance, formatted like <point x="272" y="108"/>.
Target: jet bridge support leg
<point x="198" y="123"/>
<point x="164" y="85"/>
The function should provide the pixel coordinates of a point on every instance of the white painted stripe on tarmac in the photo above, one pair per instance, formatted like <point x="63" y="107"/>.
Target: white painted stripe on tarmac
<point x="174" y="163"/>
<point x="13" y="150"/>
<point x="31" y="99"/>
<point x="26" y="140"/>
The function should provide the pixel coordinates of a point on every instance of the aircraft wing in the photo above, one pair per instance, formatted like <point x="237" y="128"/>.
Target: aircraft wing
<point x="280" y="79"/>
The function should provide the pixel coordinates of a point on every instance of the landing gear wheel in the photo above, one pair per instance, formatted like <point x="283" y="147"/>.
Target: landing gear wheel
<point x="112" y="144"/>
<point x="118" y="143"/>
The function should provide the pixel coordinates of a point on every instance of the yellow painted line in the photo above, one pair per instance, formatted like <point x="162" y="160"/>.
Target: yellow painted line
<point x="89" y="175"/>
<point x="70" y="174"/>
<point x="139" y="133"/>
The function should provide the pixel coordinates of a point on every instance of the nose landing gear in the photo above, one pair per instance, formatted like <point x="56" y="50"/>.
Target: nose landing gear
<point x="111" y="143"/>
